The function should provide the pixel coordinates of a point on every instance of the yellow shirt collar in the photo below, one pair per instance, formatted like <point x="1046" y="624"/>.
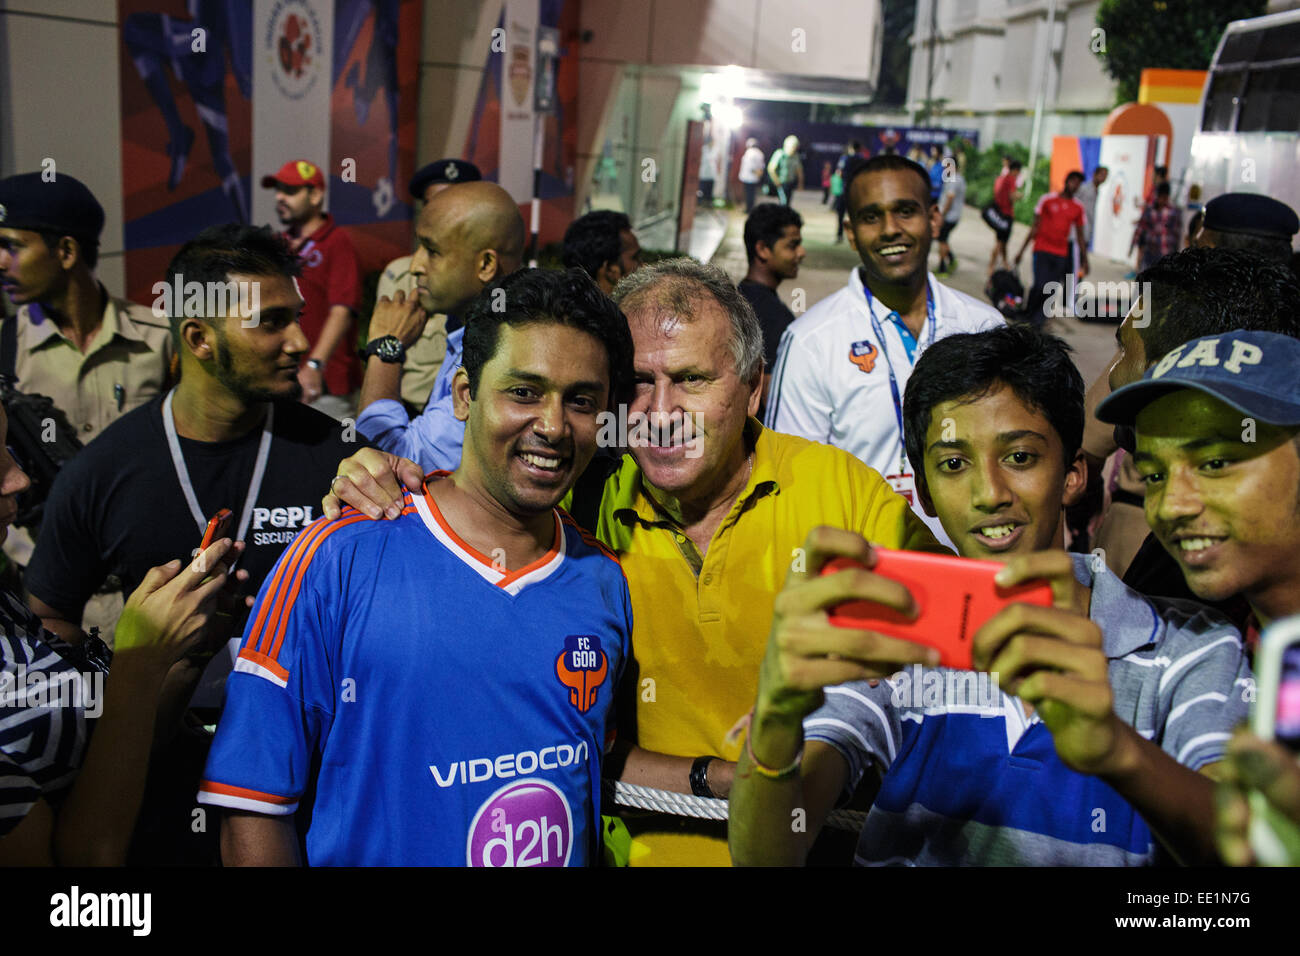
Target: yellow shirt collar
<point x="632" y="502"/>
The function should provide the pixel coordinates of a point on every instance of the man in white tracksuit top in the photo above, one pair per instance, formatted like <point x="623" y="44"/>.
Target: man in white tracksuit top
<point x="842" y="368"/>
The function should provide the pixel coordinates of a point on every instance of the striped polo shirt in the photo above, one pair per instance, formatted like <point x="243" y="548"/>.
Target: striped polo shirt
<point x="969" y="779"/>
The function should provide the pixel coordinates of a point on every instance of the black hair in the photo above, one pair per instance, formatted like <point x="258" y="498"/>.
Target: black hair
<point x="219" y="252"/>
<point x="766" y="224"/>
<point x="88" y="245"/>
<point x="1162" y="171"/>
<point x="593" y="241"/>
<point x="1033" y="364"/>
<point x="1014" y="164"/>
<point x="888" y="162"/>
<point x="1164" y="189"/>
<point x="1273" y="249"/>
<point x="1075" y="174"/>
<point x="569" y="298"/>
<point x="1203" y="291"/>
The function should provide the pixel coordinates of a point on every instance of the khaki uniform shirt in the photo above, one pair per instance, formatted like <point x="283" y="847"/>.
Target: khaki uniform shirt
<point x="125" y="366"/>
<point x="424" y="358"/>
<point x="132" y="349"/>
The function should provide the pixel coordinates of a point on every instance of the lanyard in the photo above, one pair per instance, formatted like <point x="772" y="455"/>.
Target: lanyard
<point x="183" y="474"/>
<point x="911" y="356"/>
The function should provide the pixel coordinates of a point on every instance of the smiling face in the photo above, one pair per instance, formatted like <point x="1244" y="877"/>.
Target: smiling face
<point x="1226" y="508"/>
<point x="259" y="363"/>
<point x="29" y="269"/>
<point x="996" y="476"/>
<point x="531" y="427"/>
<point x="685" y="367"/>
<point x="891" y="220"/>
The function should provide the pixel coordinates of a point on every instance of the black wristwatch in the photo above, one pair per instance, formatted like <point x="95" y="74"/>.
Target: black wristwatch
<point x="389" y="348"/>
<point x="700" y="777"/>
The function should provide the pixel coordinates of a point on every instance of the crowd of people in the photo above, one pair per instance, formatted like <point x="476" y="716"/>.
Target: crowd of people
<point x="552" y="528"/>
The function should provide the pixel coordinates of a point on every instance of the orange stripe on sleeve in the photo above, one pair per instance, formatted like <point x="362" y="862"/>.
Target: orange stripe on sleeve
<point x="211" y="786"/>
<point x="280" y="614"/>
<point x="281" y="572"/>
<point x="273" y="666"/>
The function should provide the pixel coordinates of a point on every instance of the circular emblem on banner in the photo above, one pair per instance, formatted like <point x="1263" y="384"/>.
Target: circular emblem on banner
<point x="293" y="41"/>
<point x="526" y="823"/>
<point x="450" y="171"/>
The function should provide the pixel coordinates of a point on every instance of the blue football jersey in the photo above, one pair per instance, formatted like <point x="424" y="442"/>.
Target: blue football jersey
<point x="434" y="708"/>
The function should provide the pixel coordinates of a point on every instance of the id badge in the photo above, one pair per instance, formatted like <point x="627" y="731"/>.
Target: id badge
<point x="905" y="484"/>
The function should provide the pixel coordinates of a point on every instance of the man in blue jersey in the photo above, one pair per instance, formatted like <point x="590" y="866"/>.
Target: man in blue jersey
<point x="437" y="686"/>
<point x="1079" y="740"/>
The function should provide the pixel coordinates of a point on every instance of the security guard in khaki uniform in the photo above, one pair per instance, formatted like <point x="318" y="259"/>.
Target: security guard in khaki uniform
<point x="96" y="356"/>
<point x="423" y="359"/>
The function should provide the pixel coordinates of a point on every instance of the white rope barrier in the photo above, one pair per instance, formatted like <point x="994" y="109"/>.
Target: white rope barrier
<point x="708" y="808"/>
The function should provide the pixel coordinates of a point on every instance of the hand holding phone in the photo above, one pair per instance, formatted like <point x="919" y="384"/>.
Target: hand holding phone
<point x="955" y="596"/>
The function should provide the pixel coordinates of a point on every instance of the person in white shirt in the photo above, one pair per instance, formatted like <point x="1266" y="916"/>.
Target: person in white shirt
<point x="842" y="367"/>
<point x="750" y="175"/>
<point x="1087" y="196"/>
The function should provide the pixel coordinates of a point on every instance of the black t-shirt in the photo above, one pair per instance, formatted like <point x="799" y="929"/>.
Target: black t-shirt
<point x="118" y="508"/>
<point x="773" y="316"/>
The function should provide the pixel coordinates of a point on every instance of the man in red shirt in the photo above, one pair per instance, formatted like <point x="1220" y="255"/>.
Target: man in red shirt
<point x="330" y="284"/>
<point x="1001" y="214"/>
<point x="1054" y="217"/>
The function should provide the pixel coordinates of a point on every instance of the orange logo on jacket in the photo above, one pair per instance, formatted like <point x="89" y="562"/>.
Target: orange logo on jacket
<point x="581" y="667"/>
<point x="863" y="355"/>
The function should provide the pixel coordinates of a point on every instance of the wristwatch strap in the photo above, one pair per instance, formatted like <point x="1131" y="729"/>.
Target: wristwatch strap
<point x="700" y="777"/>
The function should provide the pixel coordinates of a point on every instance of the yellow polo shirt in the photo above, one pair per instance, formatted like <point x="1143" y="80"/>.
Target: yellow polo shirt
<point x="702" y="622"/>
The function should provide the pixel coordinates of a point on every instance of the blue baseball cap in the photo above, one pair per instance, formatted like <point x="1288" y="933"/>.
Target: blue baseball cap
<point x="1257" y="373"/>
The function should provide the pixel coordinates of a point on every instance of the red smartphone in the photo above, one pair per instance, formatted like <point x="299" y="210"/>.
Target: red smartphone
<point x="956" y="597"/>
<point x="218" y="528"/>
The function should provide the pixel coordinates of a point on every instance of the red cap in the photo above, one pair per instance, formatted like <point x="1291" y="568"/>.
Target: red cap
<point x="296" y="172"/>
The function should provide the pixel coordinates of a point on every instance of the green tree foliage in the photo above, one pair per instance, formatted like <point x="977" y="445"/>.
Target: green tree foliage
<point x="1163" y="34"/>
<point x="982" y="169"/>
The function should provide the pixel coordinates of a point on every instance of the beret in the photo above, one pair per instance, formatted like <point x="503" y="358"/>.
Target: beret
<point x="443" y="171"/>
<point x="62" y="205"/>
<point x="1251" y="214"/>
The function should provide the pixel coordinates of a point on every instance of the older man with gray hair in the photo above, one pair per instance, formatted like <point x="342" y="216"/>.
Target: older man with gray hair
<point x="706" y="512"/>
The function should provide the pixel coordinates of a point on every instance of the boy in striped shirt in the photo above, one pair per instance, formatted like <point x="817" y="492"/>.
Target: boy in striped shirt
<point x="1097" y="745"/>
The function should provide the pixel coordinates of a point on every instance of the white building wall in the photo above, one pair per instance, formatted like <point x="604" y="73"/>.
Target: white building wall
<point x="59" y="100"/>
<point x="989" y="66"/>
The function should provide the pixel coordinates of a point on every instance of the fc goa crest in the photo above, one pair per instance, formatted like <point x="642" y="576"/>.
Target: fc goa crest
<point x="582" y="667"/>
<point x="863" y="355"/>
